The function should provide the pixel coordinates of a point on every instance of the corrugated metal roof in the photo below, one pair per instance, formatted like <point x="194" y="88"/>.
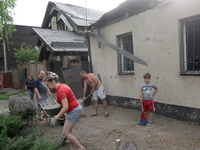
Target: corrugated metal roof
<point x="71" y="42"/>
<point x="126" y="9"/>
<point x="79" y="15"/>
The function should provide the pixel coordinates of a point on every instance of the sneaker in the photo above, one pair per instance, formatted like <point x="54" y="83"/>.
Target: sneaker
<point x="150" y="123"/>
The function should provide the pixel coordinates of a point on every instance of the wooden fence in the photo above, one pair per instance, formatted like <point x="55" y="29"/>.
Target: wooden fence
<point x="20" y="74"/>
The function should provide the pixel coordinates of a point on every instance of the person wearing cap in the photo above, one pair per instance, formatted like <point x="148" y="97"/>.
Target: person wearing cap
<point x="29" y="85"/>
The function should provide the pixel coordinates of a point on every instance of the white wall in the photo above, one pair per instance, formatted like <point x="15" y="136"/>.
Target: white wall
<point x="156" y="39"/>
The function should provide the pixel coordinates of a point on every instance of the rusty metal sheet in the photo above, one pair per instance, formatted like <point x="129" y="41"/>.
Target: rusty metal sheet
<point x="73" y="80"/>
<point x="72" y="74"/>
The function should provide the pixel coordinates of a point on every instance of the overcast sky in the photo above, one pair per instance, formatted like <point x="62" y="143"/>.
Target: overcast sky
<point x="31" y="12"/>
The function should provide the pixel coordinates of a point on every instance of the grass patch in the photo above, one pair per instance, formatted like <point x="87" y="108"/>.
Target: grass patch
<point x="4" y="97"/>
<point x="2" y="93"/>
<point x="18" y="93"/>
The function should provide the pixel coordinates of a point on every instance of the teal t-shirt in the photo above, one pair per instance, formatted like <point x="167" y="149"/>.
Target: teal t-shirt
<point x="147" y="93"/>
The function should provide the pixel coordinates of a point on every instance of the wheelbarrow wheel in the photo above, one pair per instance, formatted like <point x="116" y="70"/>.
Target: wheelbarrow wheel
<point x="62" y="120"/>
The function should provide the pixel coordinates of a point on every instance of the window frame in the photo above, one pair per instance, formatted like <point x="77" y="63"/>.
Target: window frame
<point x="120" y="57"/>
<point x="183" y="47"/>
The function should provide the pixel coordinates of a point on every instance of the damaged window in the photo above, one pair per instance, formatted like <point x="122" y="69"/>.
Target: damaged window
<point x="191" y="46"/>
<point x="125" y="65"/>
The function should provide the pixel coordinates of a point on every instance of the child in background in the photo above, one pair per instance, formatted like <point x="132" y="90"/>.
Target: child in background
<point x="1" y="84"/>
<point x="146" y="97"/>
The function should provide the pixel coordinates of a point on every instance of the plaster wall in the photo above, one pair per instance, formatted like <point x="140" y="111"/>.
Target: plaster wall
<point x="156" y="40"/>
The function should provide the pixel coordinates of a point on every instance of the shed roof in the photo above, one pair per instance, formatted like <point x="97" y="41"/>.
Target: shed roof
<point x="61" y="41"/>
<point x="124" y="10"/>
<point x="79" y="15"/>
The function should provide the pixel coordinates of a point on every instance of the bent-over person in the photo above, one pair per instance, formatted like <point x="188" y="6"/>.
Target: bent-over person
<point x="97" y="91"/>
<point x="70" y="106"/>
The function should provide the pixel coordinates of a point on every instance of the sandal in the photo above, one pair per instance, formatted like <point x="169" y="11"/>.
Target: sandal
<point x="106" y="115"/>
<point x="94" y="115"/>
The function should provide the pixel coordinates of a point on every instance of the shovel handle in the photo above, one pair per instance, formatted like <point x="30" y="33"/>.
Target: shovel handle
<point x="142" y="107"/>
<point x="54" y="100"/>
<point x="88" y="96"/>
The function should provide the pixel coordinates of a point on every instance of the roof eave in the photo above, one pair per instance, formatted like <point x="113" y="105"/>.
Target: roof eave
<point x="124" y="10"/>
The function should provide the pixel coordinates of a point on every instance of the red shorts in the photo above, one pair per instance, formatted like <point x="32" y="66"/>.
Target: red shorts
<point x="148" y="105"/>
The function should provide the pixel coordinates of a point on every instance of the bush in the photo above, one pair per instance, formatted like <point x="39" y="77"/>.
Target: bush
<point x="4" y="140"/>
<point x="9" y="127"/>
<point x="28" y="130"/>
<point x="47" y="144"/>
<point x="22" y="106"/>
<point x="12" y="125"/>
<point x="22" y="143"/>
<point x="11" y="140"/>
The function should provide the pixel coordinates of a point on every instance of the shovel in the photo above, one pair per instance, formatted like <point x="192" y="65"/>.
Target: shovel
<point x="143" y="120"/>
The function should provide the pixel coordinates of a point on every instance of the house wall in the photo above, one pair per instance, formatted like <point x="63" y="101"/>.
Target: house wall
<point x="156" y="40"/>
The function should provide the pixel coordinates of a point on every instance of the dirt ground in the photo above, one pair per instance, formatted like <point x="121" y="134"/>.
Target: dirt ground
<point x="100" y="133"/>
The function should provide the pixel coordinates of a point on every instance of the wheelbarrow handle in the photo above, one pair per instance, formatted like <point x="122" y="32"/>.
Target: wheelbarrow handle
<point x="46" y="115"/>
<point x="54" y="100"/>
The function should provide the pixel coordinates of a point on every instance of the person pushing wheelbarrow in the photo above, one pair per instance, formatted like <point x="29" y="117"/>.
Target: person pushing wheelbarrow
<point x="70" y="106"/>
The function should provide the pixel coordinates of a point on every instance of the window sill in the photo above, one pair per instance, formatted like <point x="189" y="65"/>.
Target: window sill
<point x="126" y="73"/>
<point x="190" y="73"/>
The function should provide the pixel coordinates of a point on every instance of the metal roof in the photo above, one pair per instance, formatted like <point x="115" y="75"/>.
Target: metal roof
<point x="79" y="15"/>
<point x="126" y="9"/>
<point x="61" y="41"/>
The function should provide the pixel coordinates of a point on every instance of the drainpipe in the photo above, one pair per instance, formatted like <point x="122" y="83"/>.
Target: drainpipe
<point x="90" y="56"/>
<point x="4" y="49"/>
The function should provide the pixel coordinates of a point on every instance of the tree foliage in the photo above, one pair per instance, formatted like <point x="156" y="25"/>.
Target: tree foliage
<point x="25" y="54"/>
<point x="6" y="20"/>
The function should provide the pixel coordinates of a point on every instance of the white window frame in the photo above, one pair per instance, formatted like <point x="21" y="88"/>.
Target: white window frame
<point x="121" y="64"/>
<point x="185" y="70"/>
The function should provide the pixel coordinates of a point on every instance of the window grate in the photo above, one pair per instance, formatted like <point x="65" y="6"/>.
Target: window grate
<point x="125" y="65"/>
<point x="191" y="45"/>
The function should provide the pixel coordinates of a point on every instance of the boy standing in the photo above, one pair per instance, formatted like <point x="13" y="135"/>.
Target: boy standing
<point x="146" y="97"/>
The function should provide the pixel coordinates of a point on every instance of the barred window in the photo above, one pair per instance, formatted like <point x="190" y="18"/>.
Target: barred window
<point x="190" y="46"/>
<point x="125" y="65"/>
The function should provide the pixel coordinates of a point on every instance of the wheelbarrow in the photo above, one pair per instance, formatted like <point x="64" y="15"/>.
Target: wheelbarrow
<point x="51" y="111"/>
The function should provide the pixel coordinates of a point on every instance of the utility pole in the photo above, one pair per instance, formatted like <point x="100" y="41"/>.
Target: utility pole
<point x="4" y="50"/>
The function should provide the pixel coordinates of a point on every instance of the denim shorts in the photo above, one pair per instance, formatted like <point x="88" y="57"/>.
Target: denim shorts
<point x="75" y="114"/>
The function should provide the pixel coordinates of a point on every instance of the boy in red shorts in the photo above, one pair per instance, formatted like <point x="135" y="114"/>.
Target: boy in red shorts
<point x="146" y="97"/>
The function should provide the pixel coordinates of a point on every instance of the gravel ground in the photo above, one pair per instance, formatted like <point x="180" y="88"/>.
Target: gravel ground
<point x="100" y="133"/>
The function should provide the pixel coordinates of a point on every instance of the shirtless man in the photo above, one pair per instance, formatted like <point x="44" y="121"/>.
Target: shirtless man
<point x="97" y="91"/>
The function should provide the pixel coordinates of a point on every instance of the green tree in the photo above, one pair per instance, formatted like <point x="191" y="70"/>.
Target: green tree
<point x="25" y="54"/>
<point x="6" y="20"/>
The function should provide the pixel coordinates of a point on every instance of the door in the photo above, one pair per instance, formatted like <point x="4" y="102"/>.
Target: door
<point x="7" y="80"/>
<point x="75" y="82"/>
<point x="73" y="79"/>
